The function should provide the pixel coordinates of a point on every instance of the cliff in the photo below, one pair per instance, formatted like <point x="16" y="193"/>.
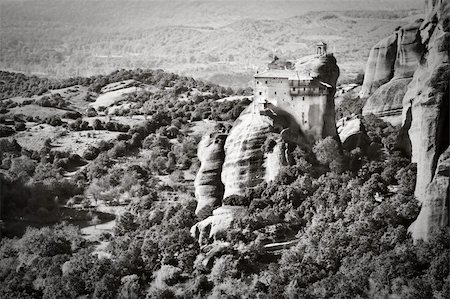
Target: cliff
<point x="388" y="99"/>
<point x="435" y="206"/>
<point x="426" y="106"/>
<point x="423" y="52"/>
<point x="380" y="65"/>
<point x="325" y="69"/>
<point x="390" y="67"/>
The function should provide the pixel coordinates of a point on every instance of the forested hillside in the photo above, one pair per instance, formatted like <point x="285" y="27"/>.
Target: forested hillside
<point x="348" y="212"/>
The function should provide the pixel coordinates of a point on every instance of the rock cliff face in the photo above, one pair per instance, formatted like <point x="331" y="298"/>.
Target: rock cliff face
<point x="247" y="162"/>
<point x="325" y="69"/>
<point x="380" y="65"/>
<point x="208" y="185"/>
<point x="424" y="52"/>
<point x="435" y="206"/>
<point x="388" y="99"/>
<point x="426" y="110"/>
<point x="390" y="67"/>
<point x="409" y="50"/>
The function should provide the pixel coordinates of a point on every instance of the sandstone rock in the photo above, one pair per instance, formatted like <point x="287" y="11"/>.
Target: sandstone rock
<point x="208" y="185"/>
<point x="426" y="118"/>
<point x="380" y="65"/>
<point x="352" y="133"/>
<point x="325" y="69"/>
<point x="426" y="100"/>
<point x="246" y="163"/>
<point x="409" y="50"/>
<point x="387" y="101"/>
<point x="423" y="52"/>
<point x="208" y="229"/>
<point x="435" y="207"/>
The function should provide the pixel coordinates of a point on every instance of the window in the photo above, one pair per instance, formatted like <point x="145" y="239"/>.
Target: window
<point x="260" y="93"/>
<point x="293" y="89"/>
<point x="275" y="92"/>
<point x="303" y="98"/>
<point x="266" y="82"/>
<point x="257" y="82"/>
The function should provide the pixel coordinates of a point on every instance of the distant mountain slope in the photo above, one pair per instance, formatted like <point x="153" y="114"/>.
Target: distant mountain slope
<point x="204" y="39"/>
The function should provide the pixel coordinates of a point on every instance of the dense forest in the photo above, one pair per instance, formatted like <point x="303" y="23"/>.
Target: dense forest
<point x="349" y="211"/>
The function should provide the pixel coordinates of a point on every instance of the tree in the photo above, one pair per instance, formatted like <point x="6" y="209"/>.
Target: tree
<point x="326" y="150"/>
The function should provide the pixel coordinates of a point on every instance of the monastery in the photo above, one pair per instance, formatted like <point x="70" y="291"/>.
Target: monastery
<point x="290" y="90"/>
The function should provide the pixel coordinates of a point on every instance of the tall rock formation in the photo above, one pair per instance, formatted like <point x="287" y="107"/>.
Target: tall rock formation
<point x="390" y="67"/>
<point x="259" y="143"/>
<point x="423" y="52"/>
<point x="434" y="213"/>
<point x="426" y="106"/>
<point x="208" y="185"/>
<point x="380" y="65"/>
<point x="325" y="69"/>
<point x="247" y="161"/>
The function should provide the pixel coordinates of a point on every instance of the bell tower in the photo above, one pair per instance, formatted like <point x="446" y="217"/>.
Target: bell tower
<point x="321" y="49"/>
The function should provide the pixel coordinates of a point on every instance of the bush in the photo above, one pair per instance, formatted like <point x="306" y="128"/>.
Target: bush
<point x="236" y="200"/>
<point x="91" y="112"/>
<point x="19" y="126"/>
<point x="72" y="115"/>
<point x="6" y="131"/>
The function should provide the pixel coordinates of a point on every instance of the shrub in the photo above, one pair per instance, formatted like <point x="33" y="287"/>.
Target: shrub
<point x="19" y="126"/>
<point x="6" y="131"/>
<point x="237" y="200"/>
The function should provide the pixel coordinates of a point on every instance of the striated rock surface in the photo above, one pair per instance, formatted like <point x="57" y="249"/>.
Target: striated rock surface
<point x="352" y="133"/>
<point x="390" y="68"/>
<point x="435" y="207"/>
<point x="388" y="100"/>
<point x="426" y="102"/>
<point x="409" y="50"/>
<point x="247" y="163"/>
<point x="423" y="53"/>
<point x="208" y="185"/>
<point x="380" y="65"/>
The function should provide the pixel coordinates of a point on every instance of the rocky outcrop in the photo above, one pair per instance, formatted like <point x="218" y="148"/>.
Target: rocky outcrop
<point x="427" y="98"/>
<point x="247" y="163"/>
<point x="388" y="99"/>
<point x="435" y="206"/>
<point x="256" y="149"/>
<point x="326" y="70"/>
<point x="222" y="219"/>
<point x="423" y="52"/>
<point x="390" y="68"/>
<point x="352" y="133"/>
<point x="380" y="65"/>
<point x="422" y="59"/>
<point x="208" y="184"/>
<point x="409" y="50"/>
